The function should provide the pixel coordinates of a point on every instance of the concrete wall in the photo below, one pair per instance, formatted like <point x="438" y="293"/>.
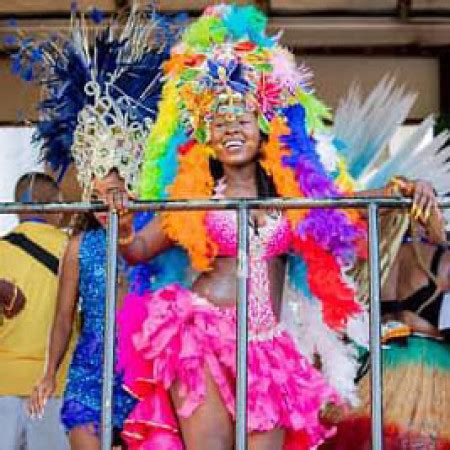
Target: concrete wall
<point x="333" y="76"/>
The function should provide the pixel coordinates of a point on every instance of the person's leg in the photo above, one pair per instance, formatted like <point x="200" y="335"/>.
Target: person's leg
<point x="210" y="426"/>
<point x="47" y="432"/>
<point x="269" y="440"/>
<point x="12" y="423"/>
<point x="84" y="438"/>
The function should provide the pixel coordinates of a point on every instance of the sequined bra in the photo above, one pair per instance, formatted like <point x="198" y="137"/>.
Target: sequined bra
<point x="273" y="238"/>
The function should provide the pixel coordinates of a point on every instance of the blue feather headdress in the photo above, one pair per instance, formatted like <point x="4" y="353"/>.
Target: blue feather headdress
<point x="107" y="77"/>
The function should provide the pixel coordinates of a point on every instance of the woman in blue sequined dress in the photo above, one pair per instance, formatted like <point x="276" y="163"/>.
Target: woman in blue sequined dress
<point x="82" y="283"/>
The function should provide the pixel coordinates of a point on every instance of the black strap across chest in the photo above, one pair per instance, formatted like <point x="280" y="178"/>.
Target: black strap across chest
<point x="33" y="249"/>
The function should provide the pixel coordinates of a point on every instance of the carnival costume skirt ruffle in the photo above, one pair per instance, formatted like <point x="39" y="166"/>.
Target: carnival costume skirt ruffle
<point x="416" y="400"/>
<point x="173" y="335"/>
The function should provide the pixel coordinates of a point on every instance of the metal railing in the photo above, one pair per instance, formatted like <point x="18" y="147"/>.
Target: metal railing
<point x="242" y="206"/>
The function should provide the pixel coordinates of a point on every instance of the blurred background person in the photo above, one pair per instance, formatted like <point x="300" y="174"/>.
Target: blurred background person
<point x="29" y="261"/>
<point x="416" y="350"/>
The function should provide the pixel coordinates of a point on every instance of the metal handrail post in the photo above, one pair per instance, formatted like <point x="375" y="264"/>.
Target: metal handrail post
<point x="242" y="330"/>
<point x="110" y="331"/>
<point x="375" y="331"/>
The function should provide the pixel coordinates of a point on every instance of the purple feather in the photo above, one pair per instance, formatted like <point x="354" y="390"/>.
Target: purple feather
<point x="331" y="228"/>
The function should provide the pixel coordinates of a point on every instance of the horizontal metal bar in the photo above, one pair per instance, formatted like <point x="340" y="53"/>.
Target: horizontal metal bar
<point x="173" y="205"/>
<point x="281" y="203"/>
<point x="70" y="207"/>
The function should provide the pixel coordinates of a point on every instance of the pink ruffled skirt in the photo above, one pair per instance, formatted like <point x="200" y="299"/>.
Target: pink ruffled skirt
<point x="173" y="335"/>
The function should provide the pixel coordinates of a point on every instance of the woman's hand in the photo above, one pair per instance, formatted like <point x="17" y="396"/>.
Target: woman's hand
<point x="424" y="201"/>
<point x="39" y="396"/>
<point x="435" y="227"/>
<point x="111" y="190"/>
<point x="119" y="203"/>
<point x="12" y="299"/>
<point x="418" y="324"/>
<point x="422" y="194"/>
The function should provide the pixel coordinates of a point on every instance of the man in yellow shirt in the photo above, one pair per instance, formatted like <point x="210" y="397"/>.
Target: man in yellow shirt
<point x="29" y="260"/>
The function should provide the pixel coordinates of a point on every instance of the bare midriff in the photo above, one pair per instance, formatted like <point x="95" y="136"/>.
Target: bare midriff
<point x="219" y="284"/>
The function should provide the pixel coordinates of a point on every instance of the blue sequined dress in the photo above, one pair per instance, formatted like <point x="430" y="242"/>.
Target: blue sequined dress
<point x="83" y="393"/>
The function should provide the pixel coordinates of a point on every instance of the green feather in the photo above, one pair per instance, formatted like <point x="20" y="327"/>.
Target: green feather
<point x="263" y="124"/>
<point x="204" y="32"/>
<point x="266" y="68"/>
<point x="316" y="111"/>
<point x="189" y="75"/>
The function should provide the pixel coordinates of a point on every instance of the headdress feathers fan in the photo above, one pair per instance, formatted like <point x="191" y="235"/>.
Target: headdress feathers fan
<point x="117" y="68"/>
<point x="374" y="122"/>
<point x="365" y="127"/>
<point x="434" y="157"/>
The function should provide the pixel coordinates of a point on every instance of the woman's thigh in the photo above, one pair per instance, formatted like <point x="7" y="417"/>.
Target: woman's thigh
<point x="84" y="438"/>
<point x="210" y="426"/>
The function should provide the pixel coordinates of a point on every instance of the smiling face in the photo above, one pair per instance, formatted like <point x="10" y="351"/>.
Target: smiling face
<point x="236" y="142"/>
<point x="102" y="188"/>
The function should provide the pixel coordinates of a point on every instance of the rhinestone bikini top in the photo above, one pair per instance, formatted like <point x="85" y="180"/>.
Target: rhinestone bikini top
<point x="272" y="238"/>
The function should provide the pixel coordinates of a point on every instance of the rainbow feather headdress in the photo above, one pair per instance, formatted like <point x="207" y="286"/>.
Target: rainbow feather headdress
<point x="226" y="60"/>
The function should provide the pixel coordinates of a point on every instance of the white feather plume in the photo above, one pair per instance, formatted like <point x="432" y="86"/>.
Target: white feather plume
<point x="365" y="127"/>
<point x="303" y="319"/>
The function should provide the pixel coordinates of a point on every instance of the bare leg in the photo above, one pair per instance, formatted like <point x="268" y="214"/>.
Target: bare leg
<point x="84" y="438"/>
<point x="210" y="426"/>
<point x="269" y="440"/>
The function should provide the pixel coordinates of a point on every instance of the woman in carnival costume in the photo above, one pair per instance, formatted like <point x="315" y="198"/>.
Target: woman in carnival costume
<point x="415" y="357"/>
<point x="416" y="352"/>
<point x="101" y="92"/>
<point x="237" y="119"/>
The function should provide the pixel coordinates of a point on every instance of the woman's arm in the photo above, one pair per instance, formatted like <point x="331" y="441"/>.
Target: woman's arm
<point x="435" y="227"/>
<point x="62" y="326"/>
<point x="424" y="209"/>
<point x="144" y="245"/>
<point x="424" y="203"/>
<point x="65" y="307"/>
